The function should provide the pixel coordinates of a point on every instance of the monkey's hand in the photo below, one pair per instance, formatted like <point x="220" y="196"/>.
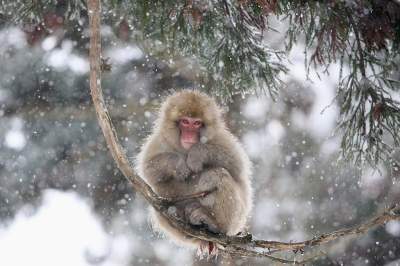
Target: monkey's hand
<point x="165" y="166"/>
<point x="197" y="158"/>
<point x="200" y="217"/>
<point x="182" y="171"/>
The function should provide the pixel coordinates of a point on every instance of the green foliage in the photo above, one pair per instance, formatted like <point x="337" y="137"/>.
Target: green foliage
<point x="225" y="39"/>
<point x="367" y="50"/>
<point x="220" y="37"/>
<point x="34" y="11"/>
<point x="231" y="53"/>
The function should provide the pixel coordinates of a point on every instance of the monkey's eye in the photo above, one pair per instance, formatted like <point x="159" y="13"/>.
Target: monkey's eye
<point x="198" y="123"/>
<point x="185" y="121"/>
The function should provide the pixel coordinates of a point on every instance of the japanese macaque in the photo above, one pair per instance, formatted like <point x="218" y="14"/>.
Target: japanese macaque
<point x="190" y="151"/>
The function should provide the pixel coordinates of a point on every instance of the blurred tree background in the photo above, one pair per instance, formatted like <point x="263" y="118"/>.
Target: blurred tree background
<point x="310" y="87"/>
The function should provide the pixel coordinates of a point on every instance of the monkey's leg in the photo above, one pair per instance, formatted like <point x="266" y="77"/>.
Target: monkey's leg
<point x="227" y="205"/>
<point x="225" y="209"/>
<point x="222" y="211"/>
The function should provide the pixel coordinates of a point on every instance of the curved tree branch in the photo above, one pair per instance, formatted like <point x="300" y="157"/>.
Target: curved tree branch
<point x="234" y="245"/>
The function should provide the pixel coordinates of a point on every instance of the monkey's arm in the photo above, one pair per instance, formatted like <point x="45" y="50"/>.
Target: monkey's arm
<point x="214" y="155"/>
<point x="222" y="209"/>
<point x="165" y="166"/>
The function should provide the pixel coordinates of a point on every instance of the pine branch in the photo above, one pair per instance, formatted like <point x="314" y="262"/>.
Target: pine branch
<point x="359" y="47"/>
<point x="234" y="245"/>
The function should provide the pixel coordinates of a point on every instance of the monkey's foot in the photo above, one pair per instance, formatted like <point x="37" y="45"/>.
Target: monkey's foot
<point x="207" y="249"/>
<point x="198" y="216"/>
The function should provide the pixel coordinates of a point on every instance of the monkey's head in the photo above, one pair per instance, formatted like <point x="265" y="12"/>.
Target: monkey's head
<point x="188" y="117"/>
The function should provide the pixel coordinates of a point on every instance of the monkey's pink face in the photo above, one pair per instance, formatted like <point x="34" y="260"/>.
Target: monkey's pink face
<point x="189" y="131"/>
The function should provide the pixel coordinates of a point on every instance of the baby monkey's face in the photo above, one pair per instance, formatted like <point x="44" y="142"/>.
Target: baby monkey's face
<point x="189" y="128"/>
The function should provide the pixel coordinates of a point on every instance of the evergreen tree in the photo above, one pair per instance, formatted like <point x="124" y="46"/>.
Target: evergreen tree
<point x="223" y="43"/>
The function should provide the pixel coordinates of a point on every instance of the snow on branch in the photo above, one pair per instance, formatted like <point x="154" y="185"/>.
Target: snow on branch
<point x="243" y="245"/>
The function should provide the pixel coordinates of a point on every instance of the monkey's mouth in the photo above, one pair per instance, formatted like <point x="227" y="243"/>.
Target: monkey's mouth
<point x="187" y="144"/>
<point x="189" y="138"/>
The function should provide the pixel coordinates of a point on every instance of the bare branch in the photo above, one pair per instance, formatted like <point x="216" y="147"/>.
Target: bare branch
<point x="392" y="213"/>
<point x="234" y="245"/>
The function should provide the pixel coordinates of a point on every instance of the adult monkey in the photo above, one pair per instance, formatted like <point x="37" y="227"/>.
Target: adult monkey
<point x="189" y="151"/>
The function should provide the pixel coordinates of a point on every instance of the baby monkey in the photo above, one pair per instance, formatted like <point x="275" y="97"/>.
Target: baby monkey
<point x="190" y="151"/>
